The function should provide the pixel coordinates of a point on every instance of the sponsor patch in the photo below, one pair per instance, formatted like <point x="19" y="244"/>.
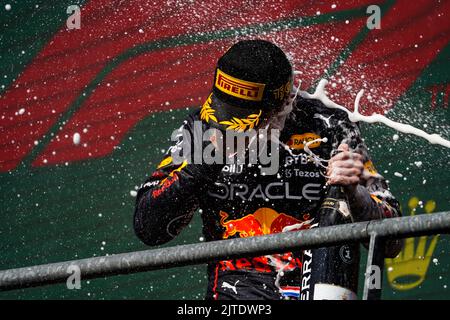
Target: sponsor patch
<point x="263" y="221"/>
<point x="172" y="174"/>
<point x="242" y="89"/>
<point x="273" y="191"/>
<point x="297" y="140"/>
<point x="165" y="162"/>
<point x="283" y="92"/>
<point x="167" y="182"/>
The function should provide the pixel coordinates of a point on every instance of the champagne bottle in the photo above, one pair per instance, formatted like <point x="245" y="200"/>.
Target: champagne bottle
<point x="332" y="273"/>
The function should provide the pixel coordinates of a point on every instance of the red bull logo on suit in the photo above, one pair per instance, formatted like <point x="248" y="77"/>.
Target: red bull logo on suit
<point x="262" y="221"/>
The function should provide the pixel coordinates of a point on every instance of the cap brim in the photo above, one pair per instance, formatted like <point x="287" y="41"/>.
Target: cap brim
<point x="236" y="118"/>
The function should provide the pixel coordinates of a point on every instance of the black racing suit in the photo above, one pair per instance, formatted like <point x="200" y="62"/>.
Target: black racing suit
<point x="238" y="201"/>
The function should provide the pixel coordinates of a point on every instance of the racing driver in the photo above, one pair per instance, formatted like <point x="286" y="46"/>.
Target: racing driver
<point x="253" y="89"/>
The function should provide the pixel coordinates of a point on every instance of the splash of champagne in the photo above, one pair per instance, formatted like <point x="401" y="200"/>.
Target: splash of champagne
<point x="355" y="116"/>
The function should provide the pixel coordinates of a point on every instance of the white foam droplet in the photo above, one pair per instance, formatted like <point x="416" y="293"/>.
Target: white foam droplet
<point x="76" y="138"/>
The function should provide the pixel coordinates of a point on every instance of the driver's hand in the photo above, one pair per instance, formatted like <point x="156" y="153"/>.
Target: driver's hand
<point x="345" y="168"/>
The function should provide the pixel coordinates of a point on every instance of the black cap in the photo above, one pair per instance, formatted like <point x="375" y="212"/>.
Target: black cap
<point x="252" y="80"/>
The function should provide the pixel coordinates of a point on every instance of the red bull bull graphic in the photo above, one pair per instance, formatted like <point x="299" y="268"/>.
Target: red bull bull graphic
<point x="263" y="221"/>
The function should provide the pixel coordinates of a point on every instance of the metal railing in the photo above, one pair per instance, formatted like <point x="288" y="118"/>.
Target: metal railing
<point x="375" y="231"/>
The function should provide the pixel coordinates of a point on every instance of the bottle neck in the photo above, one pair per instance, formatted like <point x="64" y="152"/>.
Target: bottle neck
<point x="336" y="190"/>
<point x="335" y="208"/>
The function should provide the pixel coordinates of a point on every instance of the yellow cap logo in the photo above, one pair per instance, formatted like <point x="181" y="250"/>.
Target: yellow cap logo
<point x="239" y="88"/>
<point x="297" y="140"/>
